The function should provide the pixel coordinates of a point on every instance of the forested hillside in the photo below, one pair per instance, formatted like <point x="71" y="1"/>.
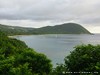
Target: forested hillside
<point x="14" y="30"/>
<point x="66" y="28"/>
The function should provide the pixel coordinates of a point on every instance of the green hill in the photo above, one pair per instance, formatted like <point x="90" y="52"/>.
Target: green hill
<point x="15" y="30"/>
<point x="66" y="28"/>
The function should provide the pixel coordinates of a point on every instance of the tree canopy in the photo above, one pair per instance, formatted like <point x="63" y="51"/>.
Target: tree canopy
<point x="17" y="59"/>
<point x="85" y="58"/>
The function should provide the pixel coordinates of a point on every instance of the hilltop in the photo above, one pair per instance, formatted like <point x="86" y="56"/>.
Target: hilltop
<point x="66" y="28"/>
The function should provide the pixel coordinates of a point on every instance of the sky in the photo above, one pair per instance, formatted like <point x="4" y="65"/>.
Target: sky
<point x="39" y="13"/>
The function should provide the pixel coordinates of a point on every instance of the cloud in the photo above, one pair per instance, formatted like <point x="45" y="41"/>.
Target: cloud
<point x="39" y="13"/>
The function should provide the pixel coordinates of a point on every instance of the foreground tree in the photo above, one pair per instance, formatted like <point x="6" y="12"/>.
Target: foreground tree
<point x="17" y="59"/>
<point x="59" y="70"/>
<point x="84" y="60"/>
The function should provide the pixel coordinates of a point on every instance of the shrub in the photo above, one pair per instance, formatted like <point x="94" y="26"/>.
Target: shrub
<point x="85" y="58"/>
<point x="17" y="59"/>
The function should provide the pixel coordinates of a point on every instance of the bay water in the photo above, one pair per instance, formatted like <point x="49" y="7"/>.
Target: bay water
<point x="57" y="46"/>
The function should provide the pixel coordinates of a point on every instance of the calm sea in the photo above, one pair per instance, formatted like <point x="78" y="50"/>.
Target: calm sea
<point x="57" y="46"/>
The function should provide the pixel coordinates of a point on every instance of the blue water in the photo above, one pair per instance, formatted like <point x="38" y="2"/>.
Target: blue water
<point x="57" y="46"/>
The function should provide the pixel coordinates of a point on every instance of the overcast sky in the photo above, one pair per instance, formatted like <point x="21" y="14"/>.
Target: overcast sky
<point x="38" y="13"/>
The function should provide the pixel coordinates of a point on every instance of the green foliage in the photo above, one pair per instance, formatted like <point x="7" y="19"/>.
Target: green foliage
<point x="21" y="70"/>
<point x="59" y="70"/>
<point x="17" y="59"/>
<point x="14" y="30"/>
<point x="85" y="58"/>
<point x="38" y="63"/>
<point x="2" y="33"/>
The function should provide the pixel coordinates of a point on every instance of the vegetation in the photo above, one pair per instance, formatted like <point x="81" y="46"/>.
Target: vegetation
<point x="59" y="70"/>
<point x="84" y="60"/>
<point x="67" y="28"/>
<point x="14" y="30"/>
<point x="17" y="59"/>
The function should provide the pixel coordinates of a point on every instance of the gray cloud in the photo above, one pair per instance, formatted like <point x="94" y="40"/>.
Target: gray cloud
<point x="50" y="11"/>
